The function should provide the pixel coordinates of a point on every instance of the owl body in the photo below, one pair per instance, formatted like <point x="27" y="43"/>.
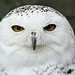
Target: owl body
<point x="34" y="37"/>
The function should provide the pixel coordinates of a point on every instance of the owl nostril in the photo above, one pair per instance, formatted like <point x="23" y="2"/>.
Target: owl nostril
<point x="33" y="33"/>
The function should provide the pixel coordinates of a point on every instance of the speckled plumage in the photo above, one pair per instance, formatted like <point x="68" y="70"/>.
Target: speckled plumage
<point x="55" y="48"/>
<point x="31" y="9"/>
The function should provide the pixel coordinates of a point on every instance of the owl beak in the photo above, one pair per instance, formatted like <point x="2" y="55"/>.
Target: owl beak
<point x="34" y="42"/>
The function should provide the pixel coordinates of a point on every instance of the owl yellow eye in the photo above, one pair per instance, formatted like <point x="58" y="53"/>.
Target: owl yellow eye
<point x="50" y="27"/>
<point x="17" y="28"/>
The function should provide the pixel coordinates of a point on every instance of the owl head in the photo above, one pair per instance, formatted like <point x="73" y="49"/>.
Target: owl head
<point x="39" y="34"/>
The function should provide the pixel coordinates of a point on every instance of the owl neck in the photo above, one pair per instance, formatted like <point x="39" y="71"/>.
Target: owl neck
<point x="19" y="57"/>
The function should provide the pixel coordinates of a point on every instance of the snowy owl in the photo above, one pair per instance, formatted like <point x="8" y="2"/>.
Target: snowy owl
<point x="32" y="38"/>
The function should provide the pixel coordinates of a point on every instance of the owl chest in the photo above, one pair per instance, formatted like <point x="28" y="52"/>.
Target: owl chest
<point x="40" y="70"/>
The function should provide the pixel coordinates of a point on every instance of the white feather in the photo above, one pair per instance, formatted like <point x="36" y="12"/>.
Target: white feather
<point x="55" y="47"/>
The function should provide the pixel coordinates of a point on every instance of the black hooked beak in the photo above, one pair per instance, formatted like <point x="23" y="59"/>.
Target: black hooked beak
<point x="33" y="40"/>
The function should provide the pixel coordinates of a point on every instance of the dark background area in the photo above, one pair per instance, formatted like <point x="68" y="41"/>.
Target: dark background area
<point x="66" y="7"/>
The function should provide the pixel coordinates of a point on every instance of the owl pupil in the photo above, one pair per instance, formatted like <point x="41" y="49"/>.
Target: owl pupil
<point x="48" y="27"/>
<point x="18" y="28"/>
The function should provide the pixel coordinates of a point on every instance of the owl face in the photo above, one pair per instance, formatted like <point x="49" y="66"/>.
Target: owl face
<point x="36" y="32"/>
<point x="35" y="28"/>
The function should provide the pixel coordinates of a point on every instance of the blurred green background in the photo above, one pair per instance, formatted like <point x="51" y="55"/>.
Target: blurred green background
<point x="66" y="7"/>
